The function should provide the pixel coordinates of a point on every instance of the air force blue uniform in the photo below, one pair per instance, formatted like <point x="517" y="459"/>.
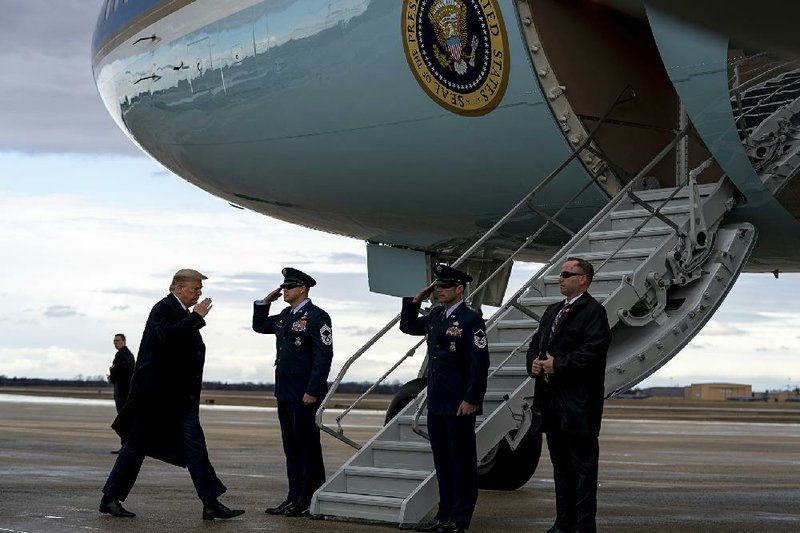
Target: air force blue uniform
<point x="304" y="342"/>
<point x="458" y="364"/>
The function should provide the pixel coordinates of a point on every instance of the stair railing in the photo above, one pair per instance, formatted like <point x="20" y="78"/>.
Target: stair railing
<point x="626" y="191"/>
<point x="339" y="431"/>
<point x="562" y="253"/>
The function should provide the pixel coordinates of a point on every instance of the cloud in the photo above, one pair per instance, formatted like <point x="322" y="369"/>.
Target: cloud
<point x="120" y="307"/>
<point x="358" y="331"/>
<point x="60" y="311"/>
<point x="719" y="329"/>
<point x="343" y="258"/>
<point x="49" y="102"/>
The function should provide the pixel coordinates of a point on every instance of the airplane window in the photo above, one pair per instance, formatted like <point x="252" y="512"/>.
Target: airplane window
<point x="108" y="8"/>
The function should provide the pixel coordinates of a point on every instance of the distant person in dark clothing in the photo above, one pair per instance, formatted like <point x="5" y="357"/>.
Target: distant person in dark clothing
<point x="162" y="415"/>
<point x="121" y="371"/>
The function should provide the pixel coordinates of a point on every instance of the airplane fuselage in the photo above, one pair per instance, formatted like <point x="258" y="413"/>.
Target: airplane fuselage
<point x="330" y="114"/>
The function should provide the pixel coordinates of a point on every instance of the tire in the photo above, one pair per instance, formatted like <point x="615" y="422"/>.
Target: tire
<point x="404" y="396"/>
<point x="504" y="469"/>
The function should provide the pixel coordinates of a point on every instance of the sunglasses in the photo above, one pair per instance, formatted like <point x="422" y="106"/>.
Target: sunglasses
<point x="566" y="274"/>
<point x="288" y="286"/>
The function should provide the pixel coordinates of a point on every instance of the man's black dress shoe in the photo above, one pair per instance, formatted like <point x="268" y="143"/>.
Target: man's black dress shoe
<point x="216" y="510"/>
<point x="280" y="508"/>
<point x="555" y="529"/>
<point x="430" y="525"/>
<point x="114" y="508"/>
<point x="450" y="527"/>
<point x="297" y="509"/>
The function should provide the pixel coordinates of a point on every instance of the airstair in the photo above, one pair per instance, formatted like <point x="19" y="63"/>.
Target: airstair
<point x="664" y="261"/>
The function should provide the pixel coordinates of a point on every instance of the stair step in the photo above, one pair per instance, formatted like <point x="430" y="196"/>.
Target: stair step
<point x="391" y="482"/>
<point x="544" y="301"/>
<point x="364" y="506"/>
<point x="652" y="195"/>
<point x="520" y="323"/>
<point x="600" y="276"/>
<point x="633" y="253"/>
<point x="423" y="420"/>
<point x="495" y="396"/>
<point x="399" y="446"/>
<point x="411" y="455"/>
<point x="643" y="213"/>
<point x="622" y="234"/>
<point x="504" y="347"/>
<point x="510" y="370"/>
<point x="371" y="471"/>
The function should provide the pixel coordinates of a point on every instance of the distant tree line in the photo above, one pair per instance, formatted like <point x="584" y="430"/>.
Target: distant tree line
<point x="99" y="381"/>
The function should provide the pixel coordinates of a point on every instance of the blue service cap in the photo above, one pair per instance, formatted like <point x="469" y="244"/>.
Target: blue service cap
<point x="447" y="276"/>
<point x="293" y="277"/>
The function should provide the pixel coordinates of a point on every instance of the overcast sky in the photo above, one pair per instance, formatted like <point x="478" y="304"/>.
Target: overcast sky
<point x="91" y="232"/>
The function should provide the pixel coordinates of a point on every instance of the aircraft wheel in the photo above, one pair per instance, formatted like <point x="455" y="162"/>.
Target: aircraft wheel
<point x="503" y="469"/>
<point x="404" y="396"/>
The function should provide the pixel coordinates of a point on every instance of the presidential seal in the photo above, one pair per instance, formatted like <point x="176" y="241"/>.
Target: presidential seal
<point x="458" y="52"/>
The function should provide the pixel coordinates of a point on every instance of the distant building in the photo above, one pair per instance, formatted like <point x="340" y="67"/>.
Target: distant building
<point x="717" y="391"/>
<point x="784" y="395"/>
<point x="664" y="392"/>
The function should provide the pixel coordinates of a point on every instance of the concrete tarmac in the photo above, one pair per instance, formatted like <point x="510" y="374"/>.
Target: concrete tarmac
<point x="656" y="475"/>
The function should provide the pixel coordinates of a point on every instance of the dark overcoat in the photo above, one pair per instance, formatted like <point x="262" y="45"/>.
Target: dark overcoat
<point x="458" y="355"/>
<point x="166" y="381"/>
<point x="120" y="373"/>
<point x="573" y="396"/>
<point x="304" y="349"/>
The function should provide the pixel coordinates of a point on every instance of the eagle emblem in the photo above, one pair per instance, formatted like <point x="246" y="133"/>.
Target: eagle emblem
<point x="449" y="21"/>
<point x="458" y="52"/>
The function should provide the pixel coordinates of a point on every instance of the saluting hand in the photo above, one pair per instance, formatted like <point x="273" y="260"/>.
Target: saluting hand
<point x="202" y="308"/>
<point x="423" y="294"/>
<point x="271" y="297"/>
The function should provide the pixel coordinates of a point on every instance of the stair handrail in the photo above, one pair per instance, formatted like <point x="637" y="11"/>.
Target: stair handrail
<point x="564" y="250"/>
<point x="464" y="256"/>
<point x="589" y="225"/>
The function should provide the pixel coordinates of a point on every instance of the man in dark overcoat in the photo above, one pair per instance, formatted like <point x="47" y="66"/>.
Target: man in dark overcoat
<point x="162" y="416"/>
<point x="304" y="346"/>
<point x="458" y="367"/>
<point x="567" y="356"/>
<point x="121" y="371"/>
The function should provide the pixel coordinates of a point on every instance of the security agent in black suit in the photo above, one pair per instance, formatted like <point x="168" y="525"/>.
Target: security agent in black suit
<point x="121" y="371"/>
<point x="458" y="366"/>
<point x="567" y="356"/>
<point x="161" y="418"/>
<point x="304" y="341"/>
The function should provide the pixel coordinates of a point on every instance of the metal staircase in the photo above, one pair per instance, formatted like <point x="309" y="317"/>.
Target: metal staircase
<point x="664" y="261"/>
